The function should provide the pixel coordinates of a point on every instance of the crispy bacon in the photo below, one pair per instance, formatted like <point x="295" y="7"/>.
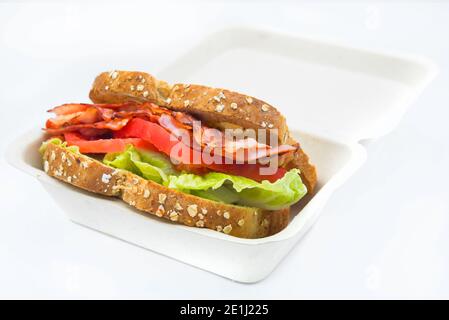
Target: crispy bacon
<point x="114" y="125"/>
<point x="68" y="108"/>
<point x="76" y="107"/>
<point x="251" y="155"/>
<point x="94" y="120"/>
<point x="184" y="118"/>
<point x="242" y="150"/>
<point x="75" y="114"/>
<point x="144" y="114"/>
<point x="179" y="130"/>
<point x="62" y="119"/>
<point x="90" y="115"/>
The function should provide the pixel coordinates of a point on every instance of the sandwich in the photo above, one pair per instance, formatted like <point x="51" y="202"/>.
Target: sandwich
<point x="191" y="154"/>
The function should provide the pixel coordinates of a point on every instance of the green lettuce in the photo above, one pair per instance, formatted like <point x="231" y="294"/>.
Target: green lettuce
<point x="57" y="142"/>
<point x="267" y="195"/>
<point x="222" y="194"/>
<point x="215" y="186"/>
<point x="148" y="164"/>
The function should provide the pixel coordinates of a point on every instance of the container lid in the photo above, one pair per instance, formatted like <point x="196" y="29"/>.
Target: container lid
<point x="320" y="87"/>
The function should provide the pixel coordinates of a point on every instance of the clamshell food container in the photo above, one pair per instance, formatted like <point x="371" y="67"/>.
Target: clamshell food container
<point x="333" y="97"/>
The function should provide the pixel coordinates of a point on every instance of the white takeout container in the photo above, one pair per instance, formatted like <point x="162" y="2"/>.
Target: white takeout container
<point x="325" y="89"/>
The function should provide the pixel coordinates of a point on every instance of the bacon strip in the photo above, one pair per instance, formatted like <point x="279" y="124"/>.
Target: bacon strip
<point x="176" y="128"/>
<point x="62" y="119"/>
<point x="96" y="119"/>
<point x="68" y="108"/>
<point x="76" y="107"/>
<point x="114" y="125"/>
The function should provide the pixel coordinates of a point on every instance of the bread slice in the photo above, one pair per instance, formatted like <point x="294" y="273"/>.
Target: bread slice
<point x="219" y="108"/>
<point x="91" y="175"/>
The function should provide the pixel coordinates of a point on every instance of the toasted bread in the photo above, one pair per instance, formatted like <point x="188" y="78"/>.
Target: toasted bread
<point x="217" y="107"/>
<point x="91" y="175"/>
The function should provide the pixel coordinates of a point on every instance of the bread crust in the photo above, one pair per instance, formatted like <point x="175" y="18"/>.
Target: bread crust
<point x="145" y="195"/>
<point x="225" y="109"/>
<point x="219" y="108"/>
<point x="122" y="86"/>
<point x="301" y="160"/>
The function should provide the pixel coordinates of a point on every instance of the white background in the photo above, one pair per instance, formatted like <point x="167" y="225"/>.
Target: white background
<point x="384" y="234"/>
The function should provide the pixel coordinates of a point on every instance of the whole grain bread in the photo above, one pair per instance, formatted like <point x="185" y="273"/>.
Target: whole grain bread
<point x="219" y="108"/>
<point x="91" y="175"/>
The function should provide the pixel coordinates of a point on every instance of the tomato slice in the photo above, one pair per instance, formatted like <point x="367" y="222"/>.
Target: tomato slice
<point x="163" y="141"/>
<point x="251" y="171"/>
<point x="104" y="145"/>
<point x="160" y="138"/>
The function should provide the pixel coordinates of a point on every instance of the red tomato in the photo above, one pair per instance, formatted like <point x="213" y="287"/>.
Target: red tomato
<point x="160" y="138"/>
<point x="247" y="170"/>
<point x="104" y="145"/>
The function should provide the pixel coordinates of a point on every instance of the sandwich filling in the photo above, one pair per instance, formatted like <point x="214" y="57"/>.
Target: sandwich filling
<point x="176" y="150"/>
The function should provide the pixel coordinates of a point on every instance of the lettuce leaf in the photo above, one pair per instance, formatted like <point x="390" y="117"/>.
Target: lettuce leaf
<point x="150" y="165"/>
<point x="215" y="186"/>
<point x="57" y="142"/>
<point x="272" y="196"/>
<point x="222" y="194"/>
